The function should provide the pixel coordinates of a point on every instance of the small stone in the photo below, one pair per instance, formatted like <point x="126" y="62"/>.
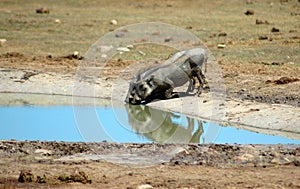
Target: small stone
<point x="222" y="34"/>
<point x="123" y="49"/>
<point x="42" y="11"/>
<point x="221" y="45"/>
<point x="168" y="39"/>
<point x="249" y="12"/>
<point x="43" y="152"/>
<point x="263" y="37"/>
<point x="76" y="54"/>
<point x="2" y="42"/>
<point x="144" y="186"/>
<point x="113" y="22"/>
<point x="275" y="29"/>
<point x="142" y="53"/>
<point x="57" y="21"/>
<point x="130" y="46"/>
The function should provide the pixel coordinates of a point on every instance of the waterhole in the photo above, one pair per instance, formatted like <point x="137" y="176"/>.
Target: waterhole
<point x="124" y="124"/>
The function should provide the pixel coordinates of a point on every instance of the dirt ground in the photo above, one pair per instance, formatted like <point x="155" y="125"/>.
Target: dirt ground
<point x="258" y="53"/>
<point x="70" y="165"/>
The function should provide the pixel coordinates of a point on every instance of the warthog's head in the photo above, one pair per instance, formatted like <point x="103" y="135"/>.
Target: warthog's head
<point x="139" y="92"/>
<point x="146" y="90"/>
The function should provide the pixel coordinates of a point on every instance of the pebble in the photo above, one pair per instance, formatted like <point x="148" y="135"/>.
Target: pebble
<point x="249" y="12"/>
<point x="275" y="29"/>
<point x="222" y="34"/>
<point x="114" y="22"/>
<point x="2" y="42"/>
<point x="123" y="49"/>
<point x="57" y="21"/>
<point x="144" y="186"/>
<point x="263" y="37"/>
<point x="42" y="11"/>
<point x="130" y="46"/>
<point x="168" y="39"/>
<point x="221" y="46"/>
<point x="43" y="152"/>
<point x="76" y="54"/>
<point x="142" y="53"/>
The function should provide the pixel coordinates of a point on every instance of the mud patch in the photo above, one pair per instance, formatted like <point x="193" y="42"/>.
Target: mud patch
<point x="283" y="80"/>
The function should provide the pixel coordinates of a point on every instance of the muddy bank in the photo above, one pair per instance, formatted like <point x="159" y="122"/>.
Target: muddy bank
<point x="107" y="165"/>
<point x="131" y="154"/>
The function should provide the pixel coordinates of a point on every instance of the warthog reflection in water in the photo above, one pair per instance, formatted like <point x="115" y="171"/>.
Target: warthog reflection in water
<point x="159" y="126"/>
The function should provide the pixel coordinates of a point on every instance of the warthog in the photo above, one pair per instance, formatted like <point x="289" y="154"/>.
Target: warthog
<point x="158" y="82"/>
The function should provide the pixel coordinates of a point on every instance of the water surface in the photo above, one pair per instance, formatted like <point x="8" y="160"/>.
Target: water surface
<point x="138" y="124"/>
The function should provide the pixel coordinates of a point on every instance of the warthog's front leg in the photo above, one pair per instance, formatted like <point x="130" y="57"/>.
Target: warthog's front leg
<point x="201" y="78"/>
<point x="191" y="86"/>
<point x="170" y="94"/>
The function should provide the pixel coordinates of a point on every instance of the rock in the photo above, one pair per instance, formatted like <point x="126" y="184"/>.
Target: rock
<point x="142" y="53"/>
<point x="26" y="176"/>
<point x="75" y="54"/>
<point x="2" y="42"/>
<point x="246" y="157"/>
<point x="263" y="37"/>
<point x="130" y="46"/>
<point x="144" y="186"/>
<point x="113" y="22"/>
<point x="275" y="29"/>
<point x="43" y="152"/>
<point x="57" y="21"/>
<point x="123" y="49"/>
<point x="222" y="34"/>
<point x="221" y="45"/>
<point x="168" y="39"/>
<point x="249" y="12"/>
<point x="42" y="11"/>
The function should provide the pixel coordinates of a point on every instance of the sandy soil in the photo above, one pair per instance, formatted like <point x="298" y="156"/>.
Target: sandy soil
<point x="259" y="63"/>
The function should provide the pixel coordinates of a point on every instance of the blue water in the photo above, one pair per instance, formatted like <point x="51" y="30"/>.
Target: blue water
<point x="66" y="123"/>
